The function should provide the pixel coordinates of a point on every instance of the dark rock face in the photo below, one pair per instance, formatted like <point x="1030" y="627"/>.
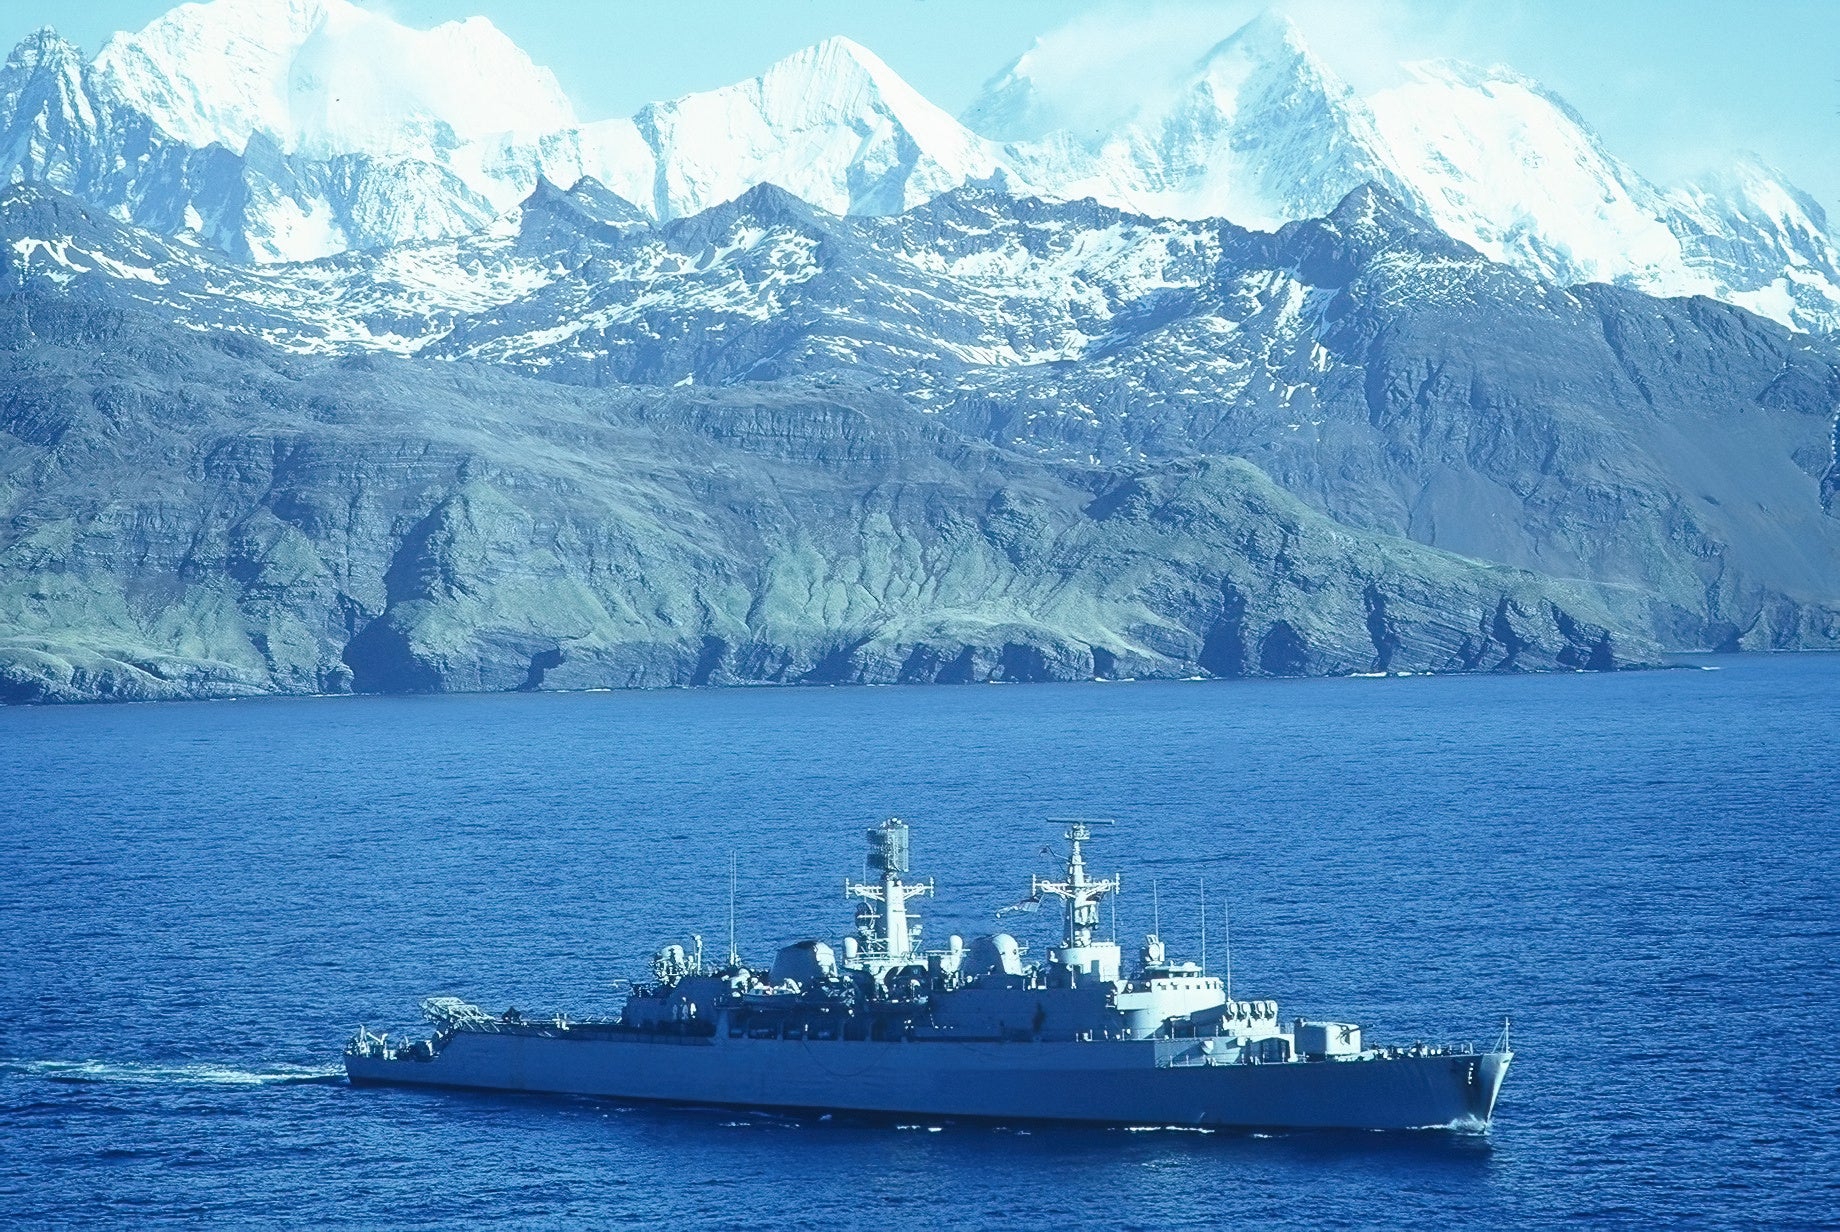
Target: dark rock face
<point x="1375" y="368"/>
<point x="191" y="515"/>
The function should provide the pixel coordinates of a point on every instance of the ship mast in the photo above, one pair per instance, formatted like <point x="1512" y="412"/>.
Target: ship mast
<point x="890" y="937"/>
<point x="1082" y="896"/>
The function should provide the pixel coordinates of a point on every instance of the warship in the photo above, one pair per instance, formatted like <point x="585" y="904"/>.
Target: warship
<point x="882" y="1026"/>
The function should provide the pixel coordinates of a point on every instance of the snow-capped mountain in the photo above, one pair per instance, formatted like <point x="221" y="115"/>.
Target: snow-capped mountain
<point x="1762" y="243"/>
<point x="353" y="130"/>
<point x="1258" y="131"/>
<point x="287" y="130"/>
<point x="832" y="125"/>
<point x="323" y="78"/>
<point x="61" y="124"/>
<point x="294" y="129"/>
<point x="1505" y="165"/>
<point x="1261" y="131"/>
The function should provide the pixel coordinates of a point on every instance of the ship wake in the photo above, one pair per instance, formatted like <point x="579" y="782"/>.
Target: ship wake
<point x="191" y="1074"/>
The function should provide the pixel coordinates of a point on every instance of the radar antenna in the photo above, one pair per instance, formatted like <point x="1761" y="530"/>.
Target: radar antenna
<point x="890" y="936"/>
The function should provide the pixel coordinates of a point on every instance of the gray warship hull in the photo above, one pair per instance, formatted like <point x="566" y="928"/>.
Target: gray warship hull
<point x="1150" y="1082"/>
<point x="888" y="1028"/>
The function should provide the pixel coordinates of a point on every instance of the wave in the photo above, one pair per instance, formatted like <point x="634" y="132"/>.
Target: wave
<point x="195" y="1074"/>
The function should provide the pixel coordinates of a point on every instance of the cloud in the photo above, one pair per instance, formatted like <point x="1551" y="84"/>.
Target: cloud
<point x="1111" y="61"/>
<point x="1114" y="61"/>
<point x="1366" y="41"/>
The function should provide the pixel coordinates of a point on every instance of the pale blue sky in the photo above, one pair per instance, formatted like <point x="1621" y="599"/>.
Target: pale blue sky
<point x="1672" y="85"/>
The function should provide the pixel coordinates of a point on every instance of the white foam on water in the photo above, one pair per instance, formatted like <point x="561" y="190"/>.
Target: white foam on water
<point x="196" y="1074"/>
<point x="1465" y="1125"/>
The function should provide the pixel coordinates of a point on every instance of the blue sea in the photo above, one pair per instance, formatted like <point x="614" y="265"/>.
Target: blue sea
<point x="200" y="902"/>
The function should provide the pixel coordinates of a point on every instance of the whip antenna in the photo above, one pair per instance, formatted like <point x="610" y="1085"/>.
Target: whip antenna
<point x="1226" y="920"/>
<point x="734" y="955"/>
<point x="1204" y="926"/>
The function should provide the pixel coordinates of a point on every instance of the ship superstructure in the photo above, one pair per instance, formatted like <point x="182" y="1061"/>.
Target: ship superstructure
<point x="969" y="1030"/>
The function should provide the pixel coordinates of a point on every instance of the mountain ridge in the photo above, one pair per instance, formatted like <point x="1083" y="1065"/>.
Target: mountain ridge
<point x="1451" y="140"/>
<point x="612" y="405"/>
<point x="1260" y="131"/>
<point x="306" y="525"/>
<point x="1677" y="453"/>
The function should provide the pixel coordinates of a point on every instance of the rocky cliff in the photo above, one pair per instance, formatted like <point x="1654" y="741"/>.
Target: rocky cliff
<point x="193" y="513"/>
<point x="989" y="438"/>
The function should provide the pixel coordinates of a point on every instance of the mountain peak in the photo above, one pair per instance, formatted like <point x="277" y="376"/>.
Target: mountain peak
<point x="1268" y="54"/>
<point x="545" y="192"/>
<point x="1376" y="218"/>
<point x="1033" y="100"/>
<point x="836" y="50"/>
<point x="1371" y="205"/>
<point x="830" y="123"/>
<point x="46" y="115"/>
<point x="1508" y="167"/>
<point x="44" y="49"/>
<point x="42" y="42"/>
<point x="1271" y="32"/>
<point x="1751" y="173"/>
<point x="588" y="201"/>
<point x="1369" y="221"/>
<point x="767" y="202"/>
<point x="325" y="77"/>
<point x="1751" y="193"/>
<point x="842" y="74"/>
<point x="1262" y="133"/>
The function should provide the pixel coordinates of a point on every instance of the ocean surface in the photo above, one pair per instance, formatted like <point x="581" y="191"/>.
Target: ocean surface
<point x="200" y="902"/>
